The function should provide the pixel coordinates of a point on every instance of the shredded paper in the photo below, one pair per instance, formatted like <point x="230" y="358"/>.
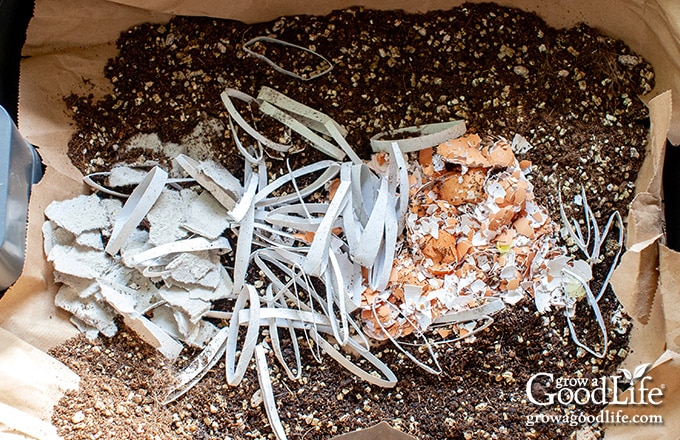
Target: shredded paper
<point x="424" y="243"/>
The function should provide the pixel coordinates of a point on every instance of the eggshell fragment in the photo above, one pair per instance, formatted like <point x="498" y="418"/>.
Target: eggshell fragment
<point x="444" y="332"/>
<point x="458" y="188"/>
<point x="425" y="160"/>
<point x="506" y="237"/>
<point x="523" y="226"/>
<point x="307" y="237"/>
<point x="513" y="284"/>
<point x="500" y="155"/>
<point x="466" y="226"/>
<point x="501" y="218"/>
<point x="334" y="184"/>
<point x="442" y="249"/>
<point x="464" y="151"/>
<point x="441" y="270"/>
<point x="462" y="248"/>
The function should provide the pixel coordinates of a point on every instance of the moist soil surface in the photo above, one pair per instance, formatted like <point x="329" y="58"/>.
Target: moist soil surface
<point x="574" y="94"/>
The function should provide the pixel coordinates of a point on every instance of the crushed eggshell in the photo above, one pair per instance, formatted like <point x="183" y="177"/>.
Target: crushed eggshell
<point x="458" y="188"/>
<point x="500" y="155"/>
<point x="478" y="232"/>
<point x="464" y="151"/>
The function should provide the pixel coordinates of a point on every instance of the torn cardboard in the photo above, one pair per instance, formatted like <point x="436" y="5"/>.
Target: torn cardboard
<point x="646" y="284"/>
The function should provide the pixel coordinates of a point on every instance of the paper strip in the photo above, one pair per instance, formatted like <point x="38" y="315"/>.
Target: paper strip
<point x="136" y="207"/>
<point x="246" y="48"/>
<point x="428" y="135"/>
<point x="189" y="245"/>
<point x="233" y="113"/>
<point x="225" y="195"/>
<point x="197" y="368"/>
<point x="236" y="370"/>
<point x="289" y="121"/>
<point x="268" y="393"/>
<point x="388" y="381"/>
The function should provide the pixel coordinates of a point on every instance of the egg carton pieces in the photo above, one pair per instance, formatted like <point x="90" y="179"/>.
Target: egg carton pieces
<point x="147" y="330"/>
<point x="91" y="239"/>
<point x="95" y="314"/>
<point x="206" y="216"/>
<point x="197" y="268"/>
<point x="79" y="261"/>
<point x="99" y="285"/>
<point x="166" y="217"/>
<point x="179" y="299"/>
<point x="82" y="213"/>
<point x="178" y="325"/>
<point x="122" y="176"/>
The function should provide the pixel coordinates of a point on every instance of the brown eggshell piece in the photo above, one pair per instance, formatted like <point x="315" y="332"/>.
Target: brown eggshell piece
<point x="425" y="160"/>
<point x="501" y="218"/>
<point x="464" y="151"/>
<point x="513" y="284"/>
<point x="500" y="155"/>
<point x="441" y="270"/>
<point x="458" y="189"/>
<point x="506" y="237"/>
<point x="442" y="249"/>
<point x="462" y="248"/>
<point x="523" y="226"/>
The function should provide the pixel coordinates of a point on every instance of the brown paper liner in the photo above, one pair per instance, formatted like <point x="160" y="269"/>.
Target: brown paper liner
<point x="70" y="41"/>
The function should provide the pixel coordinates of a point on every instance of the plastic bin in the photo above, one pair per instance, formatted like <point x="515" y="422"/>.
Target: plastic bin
<point x="20" y="167"/>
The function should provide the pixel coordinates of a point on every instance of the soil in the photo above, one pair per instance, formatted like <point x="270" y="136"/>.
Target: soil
<point x="573" y="93"/>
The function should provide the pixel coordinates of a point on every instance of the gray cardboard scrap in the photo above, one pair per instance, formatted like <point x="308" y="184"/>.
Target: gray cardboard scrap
<point x="70" y="41"/>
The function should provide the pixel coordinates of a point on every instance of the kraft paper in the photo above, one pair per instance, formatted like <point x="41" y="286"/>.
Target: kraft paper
<point x="70" y="41"/>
